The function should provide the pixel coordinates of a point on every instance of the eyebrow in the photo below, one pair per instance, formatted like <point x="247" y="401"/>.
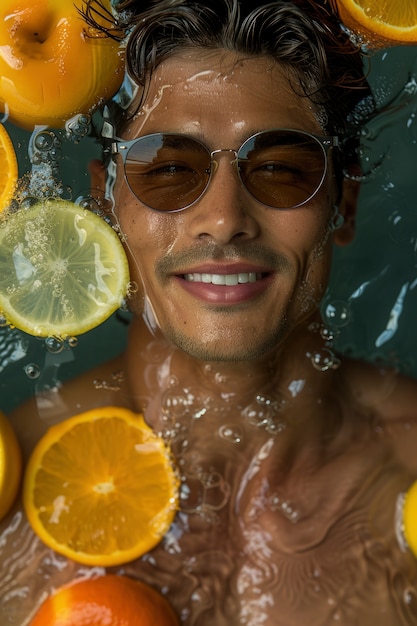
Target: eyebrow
<point x="182" y="142"/>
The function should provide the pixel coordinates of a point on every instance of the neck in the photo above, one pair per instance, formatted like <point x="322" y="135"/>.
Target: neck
<point x="280" y="386"/>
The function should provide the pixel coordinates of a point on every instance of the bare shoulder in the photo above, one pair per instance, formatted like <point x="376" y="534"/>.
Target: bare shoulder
<point x="390" y="394"/>
<point x="98" y="387"/>
<point x="391" y="399"/>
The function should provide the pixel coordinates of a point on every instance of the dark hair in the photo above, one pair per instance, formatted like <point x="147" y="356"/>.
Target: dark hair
<point x="303" y="35"/>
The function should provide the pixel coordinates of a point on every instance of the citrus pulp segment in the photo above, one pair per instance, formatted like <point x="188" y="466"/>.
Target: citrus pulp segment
<point x="64" y="269"/>
<point x="8" y="168"/>
<point x="10" y="465"/>
<point x="100" y="487"/>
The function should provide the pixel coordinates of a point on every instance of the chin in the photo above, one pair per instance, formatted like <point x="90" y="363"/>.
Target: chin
<point x="236" y="348"/>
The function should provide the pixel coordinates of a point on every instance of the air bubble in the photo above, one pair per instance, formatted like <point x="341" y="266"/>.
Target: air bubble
<point x="44" y="141"/>
<point x="72" y="342"/>
<point x="32" y="371"/>
<point x="78" y="127"/>
<point x="89" y="203"/>
<point x="403" y="227"/>
<point x="324" y="359"/>
<point x="54" y="345"/>
<point x="264" y="413"/>
<point x="55" y="154"/>
<point x="29" y="202"/>
<point x="132" y="289"/>
<point x="230" y="433"/>
<point x="337" y="313"/>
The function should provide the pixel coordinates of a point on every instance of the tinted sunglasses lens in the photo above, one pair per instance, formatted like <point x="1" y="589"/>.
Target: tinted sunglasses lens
<point x="282" y="169"/>
<point x="167" y="172"/>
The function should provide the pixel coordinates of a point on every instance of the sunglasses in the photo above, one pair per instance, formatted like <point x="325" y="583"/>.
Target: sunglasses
<point x="280" y="168"/>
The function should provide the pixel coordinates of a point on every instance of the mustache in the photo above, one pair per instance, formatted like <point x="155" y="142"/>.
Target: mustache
<point x="258" y="254"/>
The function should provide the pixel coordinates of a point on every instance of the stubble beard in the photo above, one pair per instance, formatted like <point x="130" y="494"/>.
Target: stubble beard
<point x="229" y="349"/>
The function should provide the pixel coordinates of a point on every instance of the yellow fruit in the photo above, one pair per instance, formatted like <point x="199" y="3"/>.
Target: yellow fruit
<point x="8" y="168"/>
<point x="10" y="465"/>
<point x="51" y="65"/>
<point x="105" y="601"/>
<point x="380" y="22"/>
<point x="410" y="518"/>
<point x="100" y="487"/>
<point x="64" y="269"/>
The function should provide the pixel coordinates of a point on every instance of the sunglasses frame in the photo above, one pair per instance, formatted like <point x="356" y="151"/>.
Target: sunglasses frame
<point x="121" y="147"/>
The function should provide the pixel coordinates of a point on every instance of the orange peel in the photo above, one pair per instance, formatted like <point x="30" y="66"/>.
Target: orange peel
<point x="10" y="465"/>
<point x="105" y="600"/>
<point x="8" y="168"/>
<point x="53" y="66"/>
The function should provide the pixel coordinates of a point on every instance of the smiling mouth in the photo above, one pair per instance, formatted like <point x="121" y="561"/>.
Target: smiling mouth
<point x="228" y="280"/>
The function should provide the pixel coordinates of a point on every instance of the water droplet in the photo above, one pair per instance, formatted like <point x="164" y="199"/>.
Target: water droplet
<point x="220" y="378"/>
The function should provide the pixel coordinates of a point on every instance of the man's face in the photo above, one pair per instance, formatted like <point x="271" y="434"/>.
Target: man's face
<point x="280" y="256"/>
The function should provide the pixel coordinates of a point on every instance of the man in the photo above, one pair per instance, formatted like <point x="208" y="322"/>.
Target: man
<point x="234" y="175"/>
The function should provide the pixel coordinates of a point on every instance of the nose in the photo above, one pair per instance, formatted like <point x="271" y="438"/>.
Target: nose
<point x="226" y="211"/>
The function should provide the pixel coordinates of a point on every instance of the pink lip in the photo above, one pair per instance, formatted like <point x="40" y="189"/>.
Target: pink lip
<point x="223" y="295"/>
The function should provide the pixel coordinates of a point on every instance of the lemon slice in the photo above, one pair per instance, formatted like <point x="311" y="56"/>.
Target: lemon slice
<point x="64" y="269"/>
<point x="8" y="168"/>
<point x="381" y="22"/>
<point x="10" y="465"/>
<point x="100" y="487"/>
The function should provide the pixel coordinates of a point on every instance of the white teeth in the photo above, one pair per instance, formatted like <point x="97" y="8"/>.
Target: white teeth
<point x="223" y="279"/>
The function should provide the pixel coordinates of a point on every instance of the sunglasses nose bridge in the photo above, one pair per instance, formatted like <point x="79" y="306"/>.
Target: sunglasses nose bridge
<point x="216" y="153"/>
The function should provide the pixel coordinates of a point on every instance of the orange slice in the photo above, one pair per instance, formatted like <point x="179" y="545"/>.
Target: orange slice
<point x="116" y="600"/>
<point x="10" y="465"/>
<point x="8" y="168"/>
<point x="100" y="487"/>
<point x="380" y="22"/>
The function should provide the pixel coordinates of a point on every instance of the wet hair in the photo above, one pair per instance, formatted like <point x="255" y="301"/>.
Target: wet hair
<point x="304" y="36"/>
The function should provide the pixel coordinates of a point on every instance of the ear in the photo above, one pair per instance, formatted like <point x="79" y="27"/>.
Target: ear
<point x="348" y="208"/>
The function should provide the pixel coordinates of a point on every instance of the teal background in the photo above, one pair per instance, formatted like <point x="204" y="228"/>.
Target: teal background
<point x="376" y="274"/>
<point x="374" y="279"/>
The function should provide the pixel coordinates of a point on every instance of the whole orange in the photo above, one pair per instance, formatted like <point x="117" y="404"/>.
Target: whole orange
<point x="52" y="65"/>
<point x="104" y="601"/>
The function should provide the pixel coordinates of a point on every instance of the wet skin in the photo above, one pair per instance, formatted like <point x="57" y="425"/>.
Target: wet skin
<point x="290" y="475"/>
<point x="223" y="102"/>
